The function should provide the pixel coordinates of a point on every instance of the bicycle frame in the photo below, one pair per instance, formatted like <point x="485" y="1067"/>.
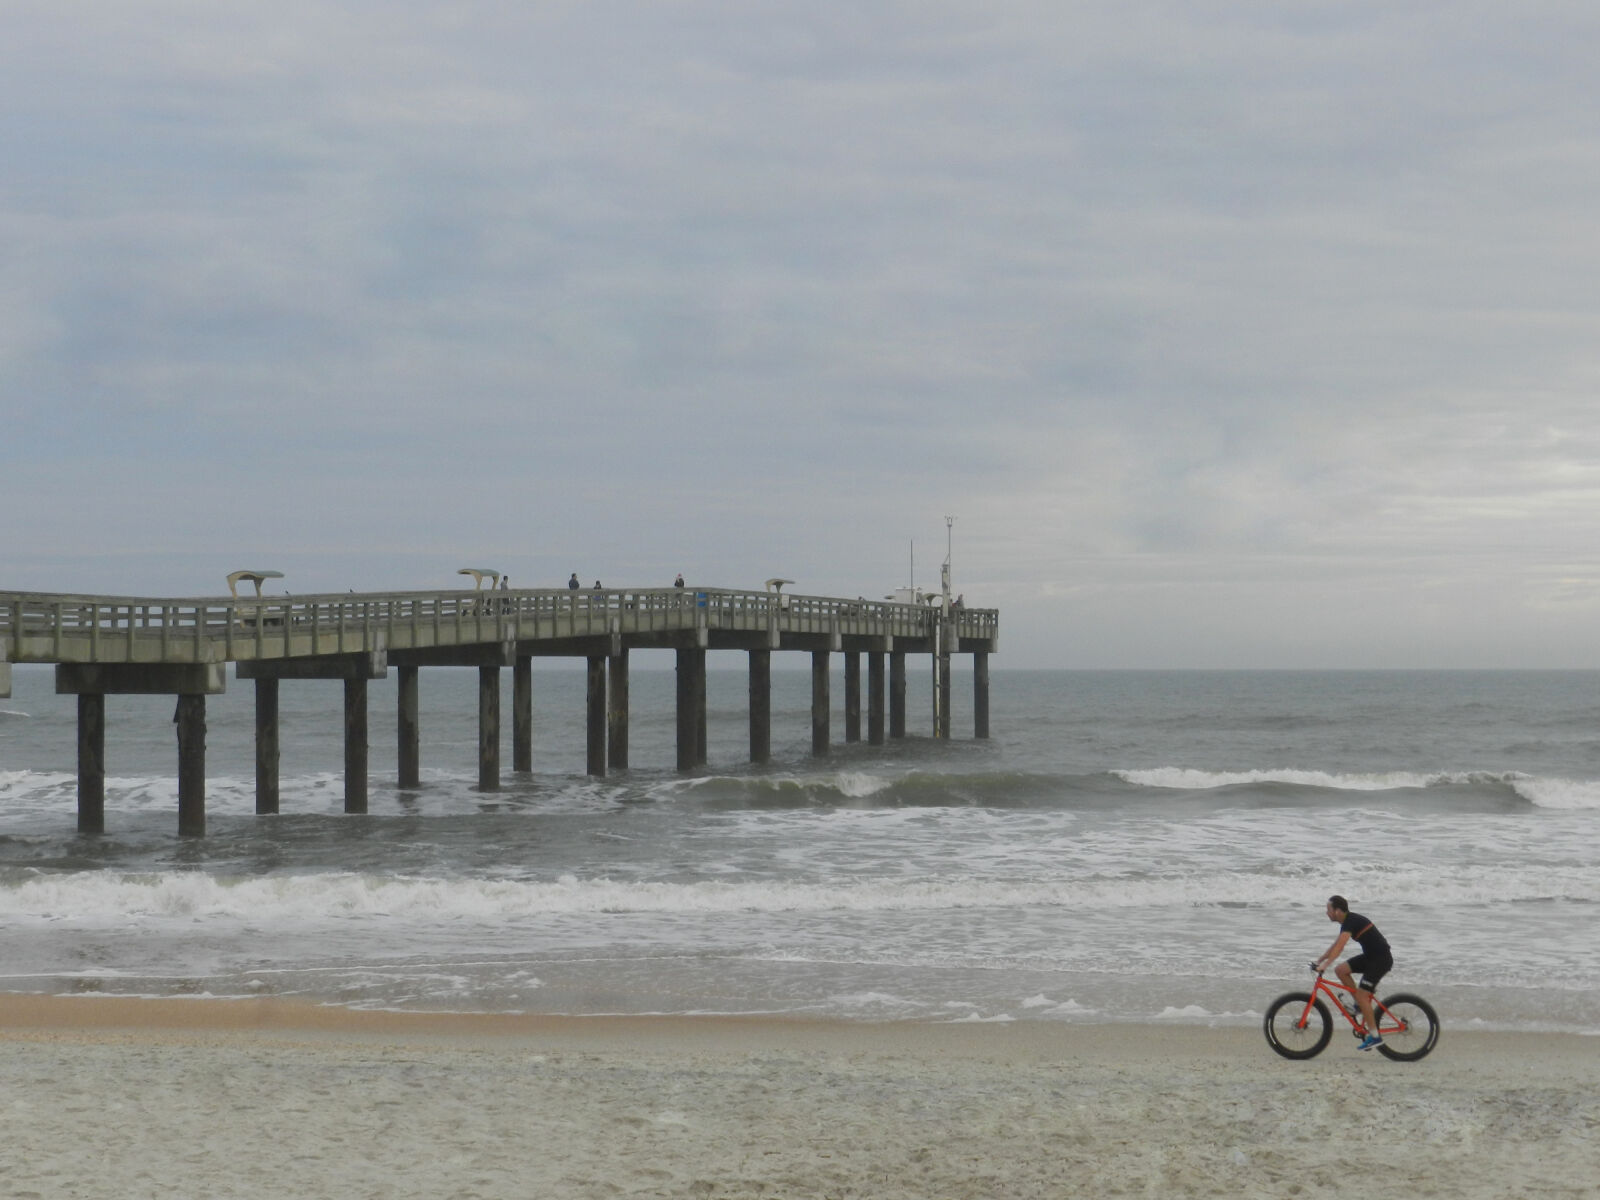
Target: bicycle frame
<point x="1387" y="1023"/>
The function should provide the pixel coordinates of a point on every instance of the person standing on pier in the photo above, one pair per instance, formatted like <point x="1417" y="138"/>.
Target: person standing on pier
<point x="573" y="584"/>
<point x="678" y="582"/>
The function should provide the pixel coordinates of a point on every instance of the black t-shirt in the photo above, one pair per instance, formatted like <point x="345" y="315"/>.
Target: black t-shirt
<point x="1365" y="932"/>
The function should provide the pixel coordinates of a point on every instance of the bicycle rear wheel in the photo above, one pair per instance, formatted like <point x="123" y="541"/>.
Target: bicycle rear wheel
<point x="1294" y="1030"/>
<point x="1409" y="1026"/>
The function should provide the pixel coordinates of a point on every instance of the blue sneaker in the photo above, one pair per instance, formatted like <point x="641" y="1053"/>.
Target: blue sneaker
<point x="1368" y="1042"/>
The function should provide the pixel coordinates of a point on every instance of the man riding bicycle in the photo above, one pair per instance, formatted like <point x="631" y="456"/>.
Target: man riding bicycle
<point x="1374" y="961"/>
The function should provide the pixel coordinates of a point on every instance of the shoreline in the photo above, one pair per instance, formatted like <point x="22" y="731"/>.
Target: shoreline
<point x="204" y="1097"/>
<point x="210" y="1015"/>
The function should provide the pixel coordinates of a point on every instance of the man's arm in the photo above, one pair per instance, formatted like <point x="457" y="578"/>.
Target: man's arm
<point x="1331" y="954"/>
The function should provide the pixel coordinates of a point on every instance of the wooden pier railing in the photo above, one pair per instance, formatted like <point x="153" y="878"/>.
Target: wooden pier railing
<point x="42" y="628"/>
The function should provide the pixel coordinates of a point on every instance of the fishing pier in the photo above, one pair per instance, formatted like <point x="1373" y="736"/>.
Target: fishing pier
<point x="110" y="645"/>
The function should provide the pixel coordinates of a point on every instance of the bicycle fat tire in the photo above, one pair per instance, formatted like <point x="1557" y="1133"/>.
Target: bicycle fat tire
<point x="1422" y="1027"/>
<point x="1287" y="1036"/>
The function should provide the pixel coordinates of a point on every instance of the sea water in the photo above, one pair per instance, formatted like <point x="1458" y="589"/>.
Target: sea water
<point x="1127" y="846"/>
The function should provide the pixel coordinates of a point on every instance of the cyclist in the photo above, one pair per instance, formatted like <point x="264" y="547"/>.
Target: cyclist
<point x="1374" y="961"/>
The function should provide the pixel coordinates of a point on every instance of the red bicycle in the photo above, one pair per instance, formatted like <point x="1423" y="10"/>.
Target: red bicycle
<point x="1298" y="1024"/>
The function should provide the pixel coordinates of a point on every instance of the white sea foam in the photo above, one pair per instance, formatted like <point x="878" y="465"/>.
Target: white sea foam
<point x="1550" y="793"/>
<point x="1540" y="791"/>
<point x="118" y="897"/>
<point x="1189" y="779"/>
<point x="1558" y="793"/>
<point x="854" y="784"/>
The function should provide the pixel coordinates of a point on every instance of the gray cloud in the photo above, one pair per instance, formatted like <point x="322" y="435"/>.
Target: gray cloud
<point x="1241" y="334"/>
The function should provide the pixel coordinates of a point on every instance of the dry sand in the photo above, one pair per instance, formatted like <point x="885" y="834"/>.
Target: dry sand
<point x="104" y="1097"/>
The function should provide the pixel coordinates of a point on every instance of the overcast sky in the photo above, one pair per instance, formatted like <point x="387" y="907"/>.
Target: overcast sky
<point x="1239" y="334"/>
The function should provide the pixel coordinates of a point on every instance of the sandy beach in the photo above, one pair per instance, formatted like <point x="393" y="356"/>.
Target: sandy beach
<point x="107" y="1097"/>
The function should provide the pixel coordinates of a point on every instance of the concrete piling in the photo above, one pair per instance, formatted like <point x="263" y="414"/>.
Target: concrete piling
<point x="522" y="714"/>
<point x="617" y="712"/>
<point x="852" y="697"/>
<point x="821" y="715"/>
<point x="267" y="747"/>
<point x="980" y="694"/>
<point x="597" y="714"/>
<point x="875" y="698"/>
<point x="488" y="729"/>
<point x="190" y="719"/>
<point x="760" y="706"/>
<point x="408" y="730"/>
<point x="355" y="745"/>
<point x="91" y="762"/>
<point x="897" y="694"/>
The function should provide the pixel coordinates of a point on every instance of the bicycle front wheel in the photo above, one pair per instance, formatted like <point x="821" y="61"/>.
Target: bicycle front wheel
<point x="1409" y="1027"/>
<point x="1298" y="1026"/>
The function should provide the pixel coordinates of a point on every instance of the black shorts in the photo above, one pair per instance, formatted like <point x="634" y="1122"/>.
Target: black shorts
<point x="1371" y="968"/>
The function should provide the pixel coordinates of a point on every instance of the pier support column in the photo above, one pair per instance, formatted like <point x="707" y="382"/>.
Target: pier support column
<point x="267" y="747"/>
<point x="897" y="694"/>
<point x="852" y="697"/>
<point x="190" y="719"/>
<point x="191" y="683"/>
<point x="821" y="714"/>
<point x="980" y="693"/>
<point x="691" y="708"/>
<point x="875" y="699"/>
<point x="91" y="762"/>
<point x="409" y="728"/>
<point x="617" y="712"/>
<point x="941" y="683"/>
<point x="760" y="706"/>
<point x="488" y="729"/>
<point x="701" y="750"/>
<point x="522" y="714"/>
<point x="355" y="745"/>
<point x="597" y="714"/>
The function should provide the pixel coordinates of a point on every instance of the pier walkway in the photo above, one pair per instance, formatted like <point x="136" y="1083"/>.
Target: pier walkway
<point x="110" y="645"/>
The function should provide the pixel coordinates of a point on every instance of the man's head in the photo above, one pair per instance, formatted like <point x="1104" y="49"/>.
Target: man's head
<point x="1338" y="908"/>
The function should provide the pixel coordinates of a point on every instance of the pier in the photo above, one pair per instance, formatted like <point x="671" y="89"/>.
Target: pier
<point x="111" y="645"/>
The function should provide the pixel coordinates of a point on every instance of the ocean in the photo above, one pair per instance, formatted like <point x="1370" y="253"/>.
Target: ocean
<point x="1127" y="846"/>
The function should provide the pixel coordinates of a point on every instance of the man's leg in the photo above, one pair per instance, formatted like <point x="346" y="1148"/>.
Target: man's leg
<point x="1364" y="998"/>
<point x="1363" y="1001"/>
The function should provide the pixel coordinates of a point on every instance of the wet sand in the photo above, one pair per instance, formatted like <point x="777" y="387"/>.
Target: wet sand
<point x="108" y="1097"/>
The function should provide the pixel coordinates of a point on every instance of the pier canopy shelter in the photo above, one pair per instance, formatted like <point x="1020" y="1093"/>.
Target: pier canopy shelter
<point x="479" y="574"/>
<point x="255" y="577"/>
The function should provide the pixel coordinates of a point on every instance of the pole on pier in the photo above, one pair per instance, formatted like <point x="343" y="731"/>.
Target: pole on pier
<point x="409" y="728"/>
<point x="897" y="693"/>
<point x="821" y="714"/>
<point x="91" y="762"/>
<point x="267" y="746"/>
<point x="691" y="708"/>
<point x="617" y="713"/>
<point x="355" y="745"/>
<point x="980" y="693"/>
<point x="522" y="714"/>
<point x="597" y="714"/>
<point x="852" y="697"/>
<point x="488" y="729"/>
<point x="190" y="719"/>
<point x="760" y="706"/>
<point x="875" y="698"/>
